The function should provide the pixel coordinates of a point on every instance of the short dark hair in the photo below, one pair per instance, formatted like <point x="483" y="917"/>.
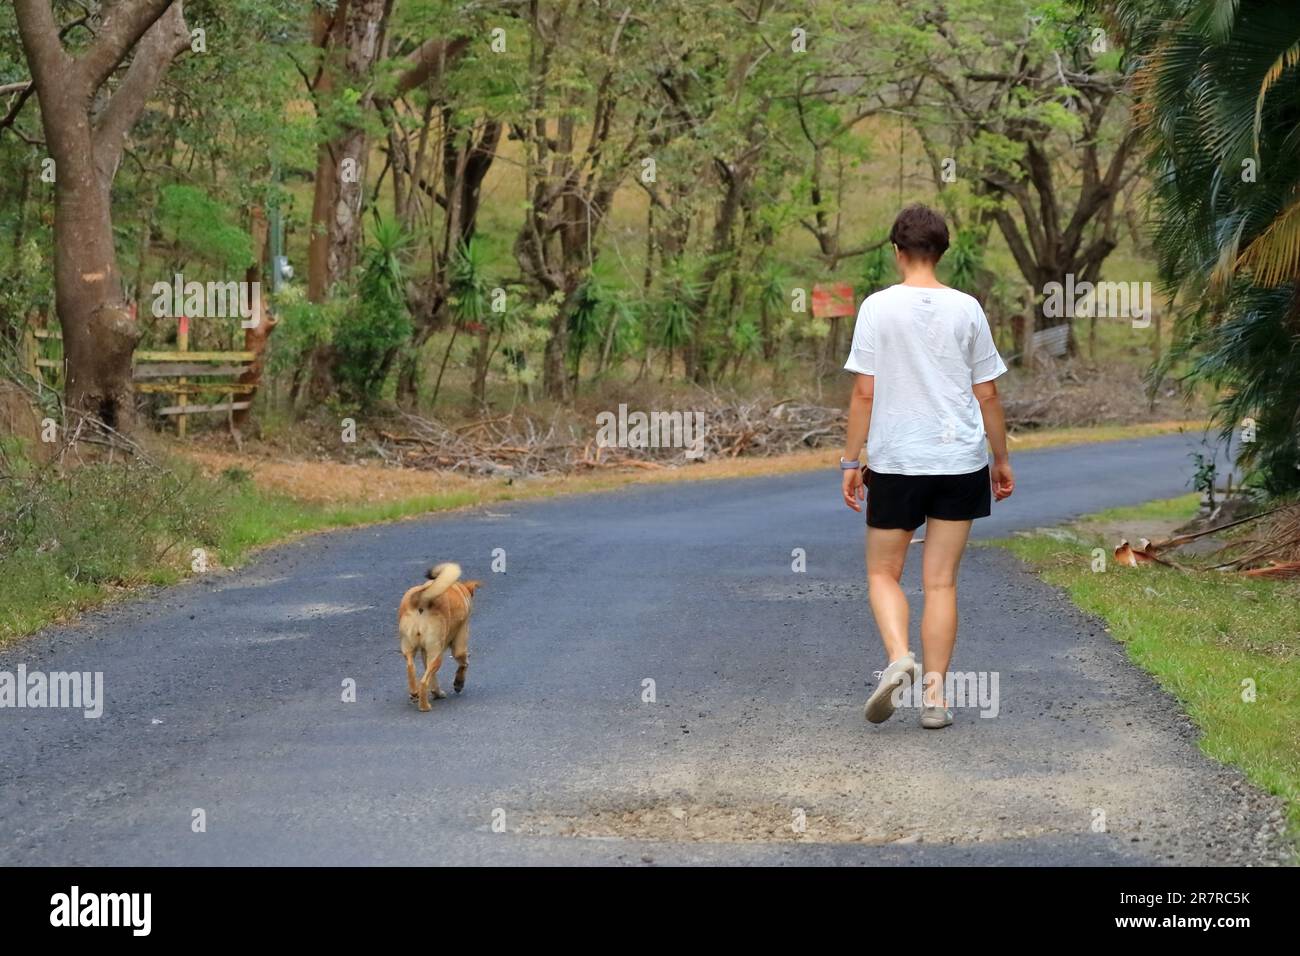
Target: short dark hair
<point x="920" y="231"/>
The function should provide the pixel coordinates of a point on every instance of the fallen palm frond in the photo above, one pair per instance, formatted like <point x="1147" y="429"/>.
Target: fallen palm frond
<point x="1280" y="570"/>
<point x="1129" y="556"/>
<point x="1271" y="551"/>
<point x="1177" y="541"/>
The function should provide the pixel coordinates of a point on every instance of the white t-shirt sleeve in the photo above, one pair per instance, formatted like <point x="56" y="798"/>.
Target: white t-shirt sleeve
<point x="985" y="362"/>
<point x="862" y="354"/>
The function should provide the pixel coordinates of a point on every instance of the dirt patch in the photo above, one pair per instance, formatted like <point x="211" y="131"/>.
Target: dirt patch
<point x="332" y="482"/>
<point x="1113" y="532"/>
<point x="329" y="481"/>
<point x="688" y="822"/>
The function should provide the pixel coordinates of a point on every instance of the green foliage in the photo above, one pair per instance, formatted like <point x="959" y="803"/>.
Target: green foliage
<point x="717" y="94"/>
<point x="303" y="327"/>
<point x="69" y="534"/>
<point x="745" y="337"/>
<point x="599" y="305"/>
<point x="1203" y="479"/>
<point x="239" y="120"/>
<point x="368" y="335"/>
<point x="877" y="269"/>
<point x="470" y="286"/>
<point x="1219" y="85"/>
<point x="27" y="288"/>
<point x="586" y="318"/>
<point x="202" y="228"/>
<point x="963" y="265"/>
<point x="75" y="538"/>
<point x="628" y="313"/>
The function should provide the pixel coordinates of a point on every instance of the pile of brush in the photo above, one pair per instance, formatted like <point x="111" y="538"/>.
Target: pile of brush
<point x="519" y="444"/>
<point x="1264" y="545"/>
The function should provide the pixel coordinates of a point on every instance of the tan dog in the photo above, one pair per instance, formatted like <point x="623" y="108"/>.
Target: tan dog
<point x="431" y="618"/>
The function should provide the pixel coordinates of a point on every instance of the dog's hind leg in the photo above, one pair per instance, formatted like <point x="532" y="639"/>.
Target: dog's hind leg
<point x="430" y="681"/>
<point x="460" y="651"/>
<point x="411" y="682"/>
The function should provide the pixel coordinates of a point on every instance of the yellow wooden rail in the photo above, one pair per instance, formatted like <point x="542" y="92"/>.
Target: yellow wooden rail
<point x="182" y="410"/>
<point x="181" y="362"/>
<point x="186" y="356"/>
<point x="170" y="388"/>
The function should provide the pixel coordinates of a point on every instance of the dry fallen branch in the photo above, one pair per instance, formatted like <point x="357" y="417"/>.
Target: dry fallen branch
<point x="1276" y="539"/>
<point x="518" y="445"/>
<point x="1278" y="570"/>
<point x="1179" y="540"/>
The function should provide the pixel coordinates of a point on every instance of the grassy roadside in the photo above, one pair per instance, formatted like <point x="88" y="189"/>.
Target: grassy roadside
<point x="109" y="534"/>
<point x="1214" y="641"/>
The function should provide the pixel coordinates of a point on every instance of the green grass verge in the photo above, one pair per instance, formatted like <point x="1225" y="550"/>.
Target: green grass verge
<point x="258" y="518"/>
<point x="1207" y="638"/>
<point x="105" y="532"/>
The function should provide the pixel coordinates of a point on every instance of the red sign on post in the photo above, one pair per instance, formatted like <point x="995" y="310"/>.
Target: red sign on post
<point x="833" y="301"/>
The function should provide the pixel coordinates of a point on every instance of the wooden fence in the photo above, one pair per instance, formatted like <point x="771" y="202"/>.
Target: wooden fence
<point x="37" y="342"/>
<point x="205" y="375"/>
<point x="1054" y="340"/>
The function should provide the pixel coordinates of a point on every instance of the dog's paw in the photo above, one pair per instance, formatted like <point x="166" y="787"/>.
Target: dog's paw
<point x="458" y="686"/>
<point x="415" y="697"/>
<point x="440" y="695"/>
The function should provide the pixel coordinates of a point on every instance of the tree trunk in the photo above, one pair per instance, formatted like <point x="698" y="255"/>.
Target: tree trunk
<point x="318" y="247"/>
<point x="555" y="374"/>
<point x="256" y="338"/>
<point x="353" y="38"/>
<point x="482" y="354"/>
<point x="99" y="330"/>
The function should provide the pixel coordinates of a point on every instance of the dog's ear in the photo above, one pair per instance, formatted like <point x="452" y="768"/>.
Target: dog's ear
<point x="472" y="586"/>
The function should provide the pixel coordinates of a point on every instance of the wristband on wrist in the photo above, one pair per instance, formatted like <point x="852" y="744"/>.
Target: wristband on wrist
<point x="849" y="465"/>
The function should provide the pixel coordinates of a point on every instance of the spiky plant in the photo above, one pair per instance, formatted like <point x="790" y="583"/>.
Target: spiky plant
<point x="1217" y="86"/>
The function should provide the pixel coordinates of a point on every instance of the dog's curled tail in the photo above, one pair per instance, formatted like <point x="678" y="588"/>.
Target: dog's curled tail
<point x="441" y="577"/>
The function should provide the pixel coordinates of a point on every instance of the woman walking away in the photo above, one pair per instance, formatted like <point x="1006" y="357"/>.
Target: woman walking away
<point x="924" y="401"/>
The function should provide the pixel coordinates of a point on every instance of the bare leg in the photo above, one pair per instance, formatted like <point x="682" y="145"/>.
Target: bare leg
<point x="411" y="683"/>
<point x="430" y="679"/>
<point x="460" y="651"/>
<point x="945" y="541"/>
<point x="886" y="555"/>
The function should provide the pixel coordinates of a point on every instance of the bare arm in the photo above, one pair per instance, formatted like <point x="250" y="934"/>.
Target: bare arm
<point x="864" y="394"/>
<point x="995" y="426"/>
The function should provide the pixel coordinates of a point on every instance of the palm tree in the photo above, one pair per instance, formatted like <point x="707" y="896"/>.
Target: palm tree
<point x="1217" y="88"/>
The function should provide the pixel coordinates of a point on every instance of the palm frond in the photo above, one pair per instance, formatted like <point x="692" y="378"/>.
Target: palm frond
<point x="1285" y="61"/>
<point x="1273" y="256"/>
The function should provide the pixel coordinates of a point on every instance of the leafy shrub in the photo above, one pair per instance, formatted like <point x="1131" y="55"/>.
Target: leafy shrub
<point x="68" y="533"/>
<point x="368" y="334"/>
<point x="203" y="227"/>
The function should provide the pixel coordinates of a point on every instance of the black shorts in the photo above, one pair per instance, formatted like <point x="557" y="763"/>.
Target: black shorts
<point x="905" y="501"/>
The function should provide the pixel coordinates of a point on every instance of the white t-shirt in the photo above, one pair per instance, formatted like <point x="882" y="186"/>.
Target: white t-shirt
<point x="927" y="348"/>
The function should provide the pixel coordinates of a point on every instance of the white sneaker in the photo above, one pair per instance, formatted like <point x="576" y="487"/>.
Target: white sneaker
<point x="936" y="718"/>
<point x="902" y="673"/>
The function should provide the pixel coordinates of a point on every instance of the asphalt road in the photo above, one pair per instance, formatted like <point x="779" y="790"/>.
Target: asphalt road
<point x="226" y="695"/>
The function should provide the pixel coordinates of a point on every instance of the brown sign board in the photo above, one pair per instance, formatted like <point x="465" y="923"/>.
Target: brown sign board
<point x="832" y="301"/>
